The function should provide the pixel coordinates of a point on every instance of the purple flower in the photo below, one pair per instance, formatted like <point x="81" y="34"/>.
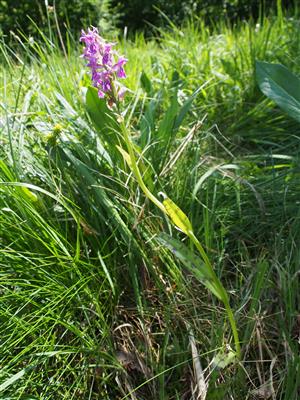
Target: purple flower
<point x="106" y="59"/>
<point x="101" y="60"/>
<point x="121" y="73"/>
<point x="118" y="67"/>
<point x="106" y="86"/>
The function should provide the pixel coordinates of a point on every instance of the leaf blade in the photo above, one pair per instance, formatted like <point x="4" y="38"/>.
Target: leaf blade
<point x="281" y="86"/>
<point x="192" y="262"/>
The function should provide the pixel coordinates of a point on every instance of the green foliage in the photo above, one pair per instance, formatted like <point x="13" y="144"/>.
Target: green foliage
<point x="17" y="15"/>
<point x="138" y="14"/>
<point x="104" y="121"/>
<point x="280" y="85"/>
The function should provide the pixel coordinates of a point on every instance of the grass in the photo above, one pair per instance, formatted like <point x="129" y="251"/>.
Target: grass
<point x="92" y="305"/>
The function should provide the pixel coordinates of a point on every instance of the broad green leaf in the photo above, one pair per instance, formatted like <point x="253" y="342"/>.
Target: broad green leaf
<point x="104" y="120"/>
<point x="281" y="86"/>
<point x="29" y="194"/>
<point x="191" y="262"/>
<point x="177" y="215"/>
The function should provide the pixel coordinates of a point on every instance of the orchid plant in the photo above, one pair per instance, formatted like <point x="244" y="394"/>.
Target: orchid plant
<point x="107" y="67"/>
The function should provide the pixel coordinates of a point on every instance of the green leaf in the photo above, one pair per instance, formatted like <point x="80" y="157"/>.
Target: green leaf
<point x="184" y="109"/>
<point x="192" y="262"/>
<point x="169" y="125"/>
<point x="281" y="86"/>
<point x="178" y="217"/>
<point x="126" y="157"/>
<point x="90" y="181"/>
<point x="147" y="125"/>
<point x="166" y="125"/>
<point x="165" y="133"/>
<point x="29" y="194"/>
<point x="104" y="120"/>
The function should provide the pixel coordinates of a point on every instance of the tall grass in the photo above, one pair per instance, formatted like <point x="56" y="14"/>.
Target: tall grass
<point x="92" y="306"/>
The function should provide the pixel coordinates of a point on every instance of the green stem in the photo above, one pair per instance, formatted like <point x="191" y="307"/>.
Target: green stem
<point x="222" y="290"/>
<point x="233" y="327"/>
<point x="191" y="235"/>
<point x="136" y="170"/>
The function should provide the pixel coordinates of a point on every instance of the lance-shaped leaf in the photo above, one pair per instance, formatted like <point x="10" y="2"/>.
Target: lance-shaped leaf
<point x="192" y="262"/>
<point x="177" y="216"/>
<point x="126" y="156"/>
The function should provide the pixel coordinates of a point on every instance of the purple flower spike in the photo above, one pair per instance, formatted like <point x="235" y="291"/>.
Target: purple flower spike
<point x="101" y="61"/>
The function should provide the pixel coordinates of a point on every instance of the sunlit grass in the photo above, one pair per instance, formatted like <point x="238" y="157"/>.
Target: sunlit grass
<point x="91" y="304"/>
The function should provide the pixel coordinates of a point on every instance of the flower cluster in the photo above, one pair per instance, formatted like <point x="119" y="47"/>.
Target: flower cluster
<point x="104" y="67"/>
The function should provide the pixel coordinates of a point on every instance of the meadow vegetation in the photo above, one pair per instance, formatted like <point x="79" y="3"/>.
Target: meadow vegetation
<point x="93" y="306"/>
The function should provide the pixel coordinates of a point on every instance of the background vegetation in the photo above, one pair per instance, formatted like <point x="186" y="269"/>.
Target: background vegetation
<point x="29" y="16"/>
<point x="92" y="306"/>
<point x="136" y="15"/>
<point x="143" y="15"/>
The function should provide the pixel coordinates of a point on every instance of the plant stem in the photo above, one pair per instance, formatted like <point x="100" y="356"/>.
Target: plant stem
<point x="233" y="327"/>
<point x="222" y="290"/>
<point x="191" y="235"/>
<point x="136" y="170"/>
